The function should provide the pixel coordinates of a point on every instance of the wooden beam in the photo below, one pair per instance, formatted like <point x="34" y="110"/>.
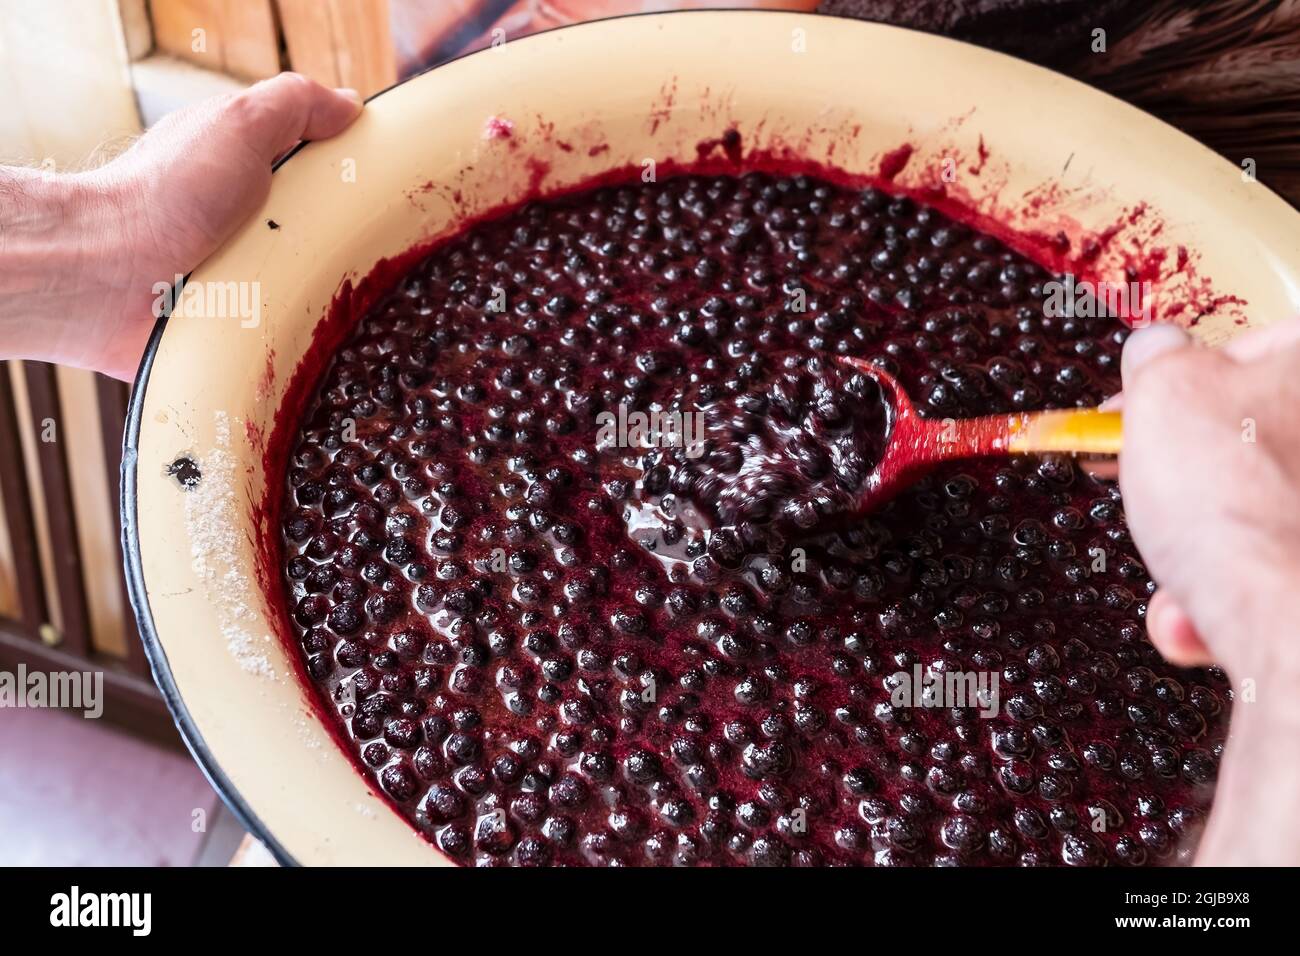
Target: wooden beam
<point x="231" y="36"/>
<point x="309" y="39"/>
<point x="60" y="513"/>
<point x="18" y="513"/>
<point x="189" y="29"/>
<point x="340" y="42"/>
<point x="250" y="42"/>
<point x="363" y="44"/>
<point x="136" y="28"/>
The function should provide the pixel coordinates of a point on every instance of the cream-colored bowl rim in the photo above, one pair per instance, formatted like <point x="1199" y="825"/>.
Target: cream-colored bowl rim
<point x="425" y="155"/>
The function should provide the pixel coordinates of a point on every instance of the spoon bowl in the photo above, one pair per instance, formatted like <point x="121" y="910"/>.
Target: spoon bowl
<point x="913" y="445"/>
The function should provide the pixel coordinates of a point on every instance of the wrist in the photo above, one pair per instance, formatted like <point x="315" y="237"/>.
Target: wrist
<point x="62" y="256"/>
<point x="1253" y="822"/>
<point x="1253" y="624"/>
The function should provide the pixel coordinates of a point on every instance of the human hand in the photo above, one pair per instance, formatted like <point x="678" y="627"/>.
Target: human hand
<point x="1211" y="480"/>
<point x="82" y="253"/>
<point x="1210" y="476"/>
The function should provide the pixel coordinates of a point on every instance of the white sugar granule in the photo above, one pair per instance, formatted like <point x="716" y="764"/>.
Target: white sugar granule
<point x="211" y="517"/>
<point x="308" y="732"/>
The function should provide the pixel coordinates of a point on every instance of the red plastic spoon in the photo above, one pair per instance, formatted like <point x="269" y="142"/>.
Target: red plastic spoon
<point x="914" y="444"/>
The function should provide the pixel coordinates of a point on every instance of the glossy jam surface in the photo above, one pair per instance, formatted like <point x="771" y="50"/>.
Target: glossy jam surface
<point x="555" y="628"/>
<point x="794" y="451"/>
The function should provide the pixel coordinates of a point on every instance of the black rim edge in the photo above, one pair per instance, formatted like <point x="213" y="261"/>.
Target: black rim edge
<point x="134" y="569"/>
<point x="128" y="504"/>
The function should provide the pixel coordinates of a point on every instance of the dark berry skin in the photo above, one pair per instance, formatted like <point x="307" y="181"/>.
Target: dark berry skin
<point x="548" y="650"/>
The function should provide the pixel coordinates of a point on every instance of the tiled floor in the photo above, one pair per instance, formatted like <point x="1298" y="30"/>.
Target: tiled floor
<point x="78" y="792"/>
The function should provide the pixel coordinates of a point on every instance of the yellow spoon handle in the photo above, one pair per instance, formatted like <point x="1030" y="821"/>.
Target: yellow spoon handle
<point x="1085" y="431"/>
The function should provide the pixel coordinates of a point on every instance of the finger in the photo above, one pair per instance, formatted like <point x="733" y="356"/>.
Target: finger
<point x="1262" y="342"/>
<point x="1147" y="344"/>
<point x="1255" y="344"/>
<point x="1101" y="467"/>
<point x="278" y="112"/>
<point x="1173" y="634"/>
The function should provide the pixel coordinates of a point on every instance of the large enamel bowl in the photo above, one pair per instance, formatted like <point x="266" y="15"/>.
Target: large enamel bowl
<point x="1033" y="149"/>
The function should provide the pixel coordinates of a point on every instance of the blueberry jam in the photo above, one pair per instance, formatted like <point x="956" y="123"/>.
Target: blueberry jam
<point x="551" y="647"/>
<point x="794" y="450"/>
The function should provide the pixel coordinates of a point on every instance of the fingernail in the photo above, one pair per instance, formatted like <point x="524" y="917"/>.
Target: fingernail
<point x="349" y="93"/>
<point x="1145" y="344"/>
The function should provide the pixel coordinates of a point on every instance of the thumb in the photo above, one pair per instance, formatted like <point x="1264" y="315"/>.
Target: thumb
<point x="1148" y="343"/>
<point x="276" y="113"/>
